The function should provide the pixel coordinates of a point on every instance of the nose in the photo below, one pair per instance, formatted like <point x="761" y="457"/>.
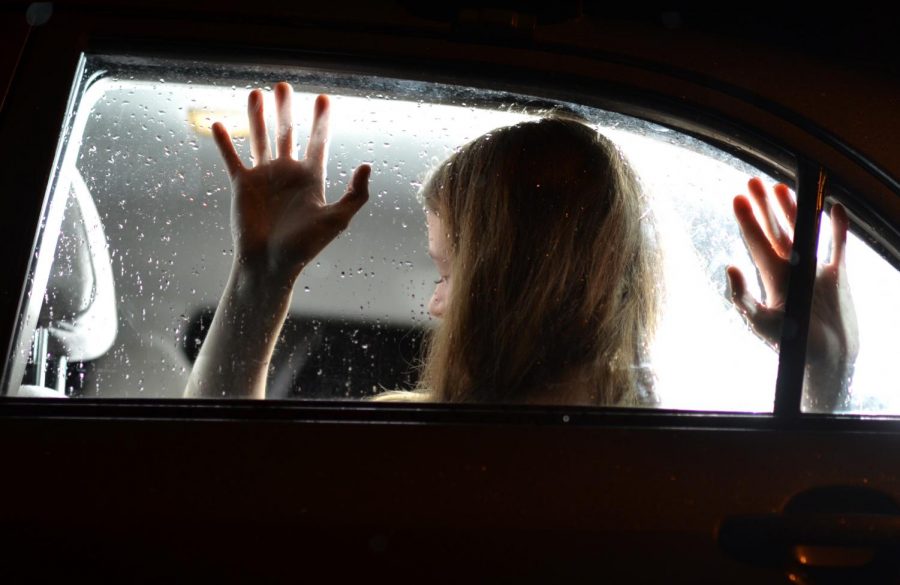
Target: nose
<point x="436" y="304"/>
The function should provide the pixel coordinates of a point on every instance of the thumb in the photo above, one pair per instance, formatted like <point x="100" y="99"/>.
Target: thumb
<point x="356" y="195"/>
<point x="737" y="292"/>
<point x="764" y="321"/>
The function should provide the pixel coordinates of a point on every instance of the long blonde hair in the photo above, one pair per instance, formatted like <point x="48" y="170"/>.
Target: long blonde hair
<point x="554" y="266"/>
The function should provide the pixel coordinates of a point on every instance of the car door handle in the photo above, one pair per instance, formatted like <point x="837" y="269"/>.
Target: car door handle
<point x="833" y="534"/>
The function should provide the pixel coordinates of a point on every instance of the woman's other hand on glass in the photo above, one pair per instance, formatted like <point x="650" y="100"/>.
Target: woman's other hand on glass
<point x="833" y="341"/>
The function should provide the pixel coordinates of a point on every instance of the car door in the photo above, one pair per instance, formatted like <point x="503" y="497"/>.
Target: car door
<point x="145" y="488"/>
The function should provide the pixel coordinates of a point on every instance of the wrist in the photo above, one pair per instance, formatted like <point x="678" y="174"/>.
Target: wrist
<point x="266" y="264"/>
<point x="261" y="281"/>
<point x="828" y="385"/>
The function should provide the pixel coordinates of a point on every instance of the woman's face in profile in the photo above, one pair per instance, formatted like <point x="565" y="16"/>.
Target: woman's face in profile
<point x="438" y="249"/>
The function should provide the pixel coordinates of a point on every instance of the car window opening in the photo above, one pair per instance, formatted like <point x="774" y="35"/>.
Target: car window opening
<point x="137" y="244"/>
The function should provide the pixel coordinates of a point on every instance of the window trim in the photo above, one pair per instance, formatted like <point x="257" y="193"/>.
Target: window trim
<point x="470" y="415"/>
<point x="801" y="280"/>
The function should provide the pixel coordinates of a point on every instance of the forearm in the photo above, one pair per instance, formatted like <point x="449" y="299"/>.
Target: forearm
<point x="234" y="359"/>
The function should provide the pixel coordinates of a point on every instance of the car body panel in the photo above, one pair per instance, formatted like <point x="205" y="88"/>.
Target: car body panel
<point x="602" y="496"/>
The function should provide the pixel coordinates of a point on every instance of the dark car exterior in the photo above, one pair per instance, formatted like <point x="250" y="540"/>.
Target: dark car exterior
<point x="236" y="491"/>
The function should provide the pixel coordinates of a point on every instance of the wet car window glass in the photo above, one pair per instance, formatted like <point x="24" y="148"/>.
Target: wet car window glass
<point x="135" y="244"/>
<point x="860" y="294"/>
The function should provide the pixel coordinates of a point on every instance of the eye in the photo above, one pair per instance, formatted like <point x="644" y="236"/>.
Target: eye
<point x="439" y="281"/>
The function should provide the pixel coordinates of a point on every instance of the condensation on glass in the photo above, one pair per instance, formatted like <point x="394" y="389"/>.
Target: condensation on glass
<point x="135" y="246"/>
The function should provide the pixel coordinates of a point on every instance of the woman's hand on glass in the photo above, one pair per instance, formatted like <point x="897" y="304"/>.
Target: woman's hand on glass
<point x="279" y="218"/>
<point x="833" y="341"/>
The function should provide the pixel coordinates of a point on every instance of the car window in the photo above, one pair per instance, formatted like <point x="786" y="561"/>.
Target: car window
<point x="135" y="245"/>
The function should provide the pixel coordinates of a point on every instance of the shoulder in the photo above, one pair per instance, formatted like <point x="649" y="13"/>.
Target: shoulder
<point x="402" y="396"/>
